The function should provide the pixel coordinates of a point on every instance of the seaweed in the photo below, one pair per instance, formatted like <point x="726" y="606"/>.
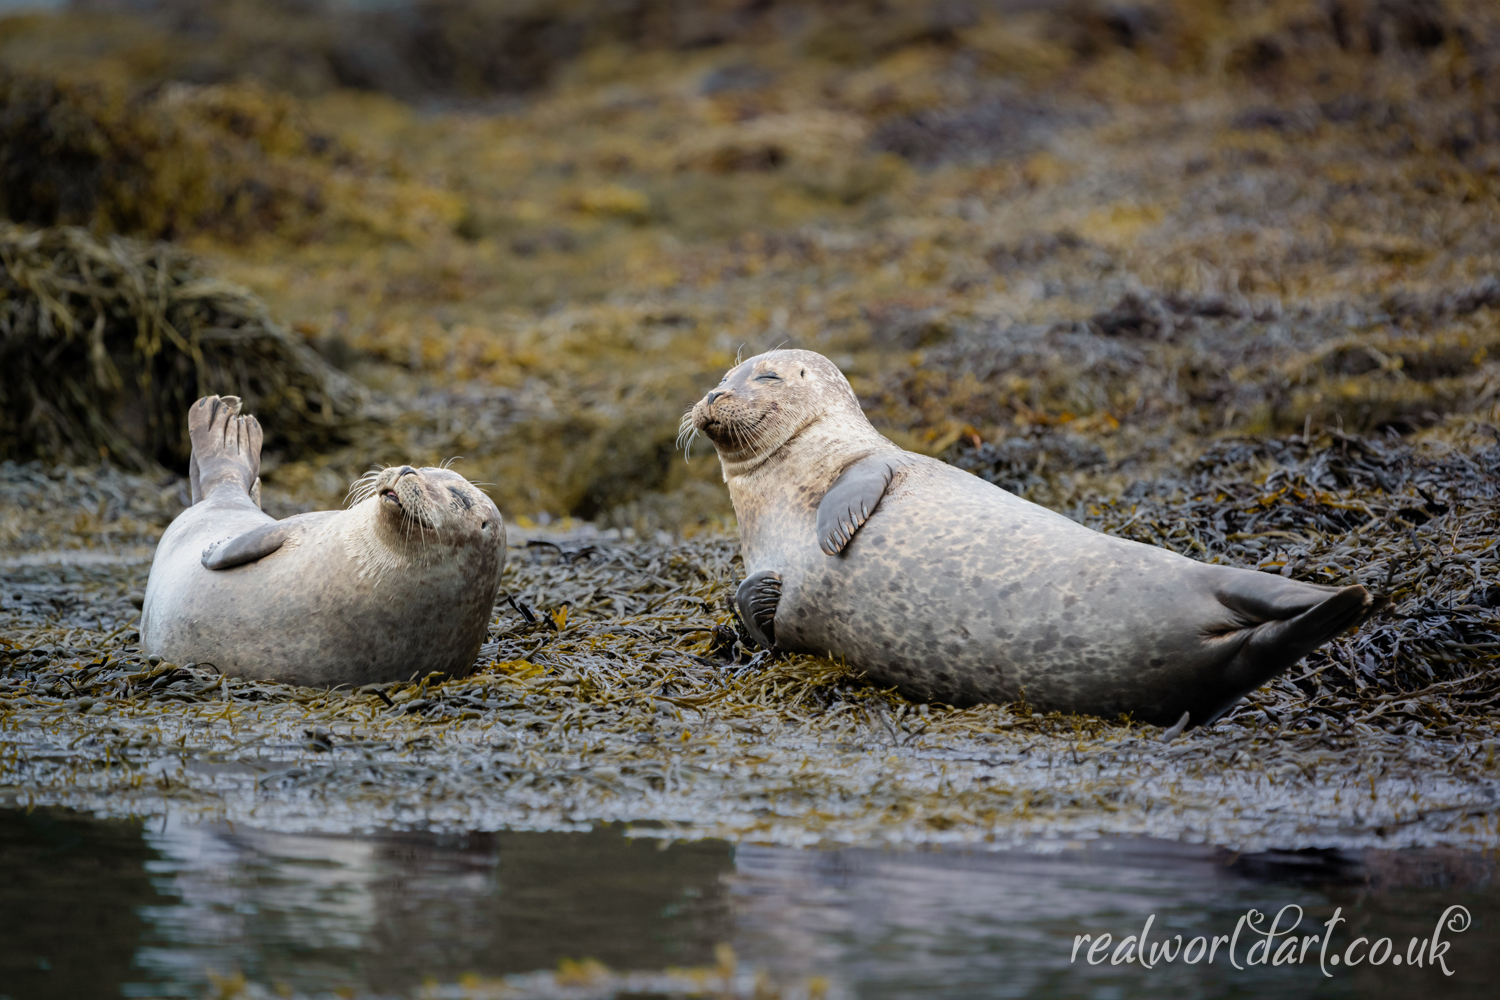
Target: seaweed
<point x="235" y="160"/>
<point x="1207" y="275"/>
<point x="617" y="687"/>
<point x="1414" y="522"/>
<point x="107" y="342"/>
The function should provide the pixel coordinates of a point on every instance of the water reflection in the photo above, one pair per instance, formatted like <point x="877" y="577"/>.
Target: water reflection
<point x="109" y="908"/>
<point x="72" y="891"/>
<point x="900" y="924"/>
<point x="319" y="912"/>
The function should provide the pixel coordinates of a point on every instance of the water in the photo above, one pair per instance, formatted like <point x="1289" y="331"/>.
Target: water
<point x="111" y="908"/>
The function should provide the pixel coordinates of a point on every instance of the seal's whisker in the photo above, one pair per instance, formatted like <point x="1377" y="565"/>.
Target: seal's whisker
<point x="687" y="433"/>
<point x="362" y="488"/>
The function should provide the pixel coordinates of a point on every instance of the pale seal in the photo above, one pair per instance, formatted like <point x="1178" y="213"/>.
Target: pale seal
<point x="403" y="582"/>
<point x="950" y="589"/>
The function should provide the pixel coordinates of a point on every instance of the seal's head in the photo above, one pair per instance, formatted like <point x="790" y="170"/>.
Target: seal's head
<point x="411" y="509"/>
<point x="763" y="403"/>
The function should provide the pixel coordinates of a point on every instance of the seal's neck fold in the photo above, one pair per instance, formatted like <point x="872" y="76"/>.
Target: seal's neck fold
<point x="817" y="452"/>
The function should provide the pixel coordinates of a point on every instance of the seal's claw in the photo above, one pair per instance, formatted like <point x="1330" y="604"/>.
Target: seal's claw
<point x="851" y="500"/>
<point x="757" y="598"/>
<point x="1177" y="727"/>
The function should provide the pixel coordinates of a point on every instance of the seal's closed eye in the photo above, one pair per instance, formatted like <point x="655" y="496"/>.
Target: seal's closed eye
<point x="851" y="500"/>
<point x="246" y="548"/>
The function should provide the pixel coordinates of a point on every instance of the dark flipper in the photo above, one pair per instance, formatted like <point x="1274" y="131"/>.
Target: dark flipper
<point x="1282" y="621"/>
<point x="254" y="544"/>
<point x="1290" y="639"/>
<point x="851" y="500"/>
<point x="757" y="598"/>
<point x="1256" y="597"/>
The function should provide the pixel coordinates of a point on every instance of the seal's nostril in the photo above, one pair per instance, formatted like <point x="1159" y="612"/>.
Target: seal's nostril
<point x="713" y="396"/>
<point x="406" y="470"/>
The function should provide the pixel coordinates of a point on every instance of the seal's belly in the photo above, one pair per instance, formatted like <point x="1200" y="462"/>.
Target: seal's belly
<point x="306" y="615"/>
<point x="986" y="598"/>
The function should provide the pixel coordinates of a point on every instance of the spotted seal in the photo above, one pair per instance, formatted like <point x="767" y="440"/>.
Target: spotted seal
<point x="951" y="589"/>
<point x="401" y="582"/>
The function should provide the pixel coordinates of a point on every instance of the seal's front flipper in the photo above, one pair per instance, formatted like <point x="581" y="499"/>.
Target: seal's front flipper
<point x="851" y="500"/>
<point x="252" y="545"/>
<point x="226" y="447"/>
<point x="757" y="598"/>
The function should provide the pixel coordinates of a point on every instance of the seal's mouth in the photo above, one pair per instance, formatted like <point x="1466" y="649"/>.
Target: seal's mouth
<point x="732" y="431"/>
<point x="393" y="498"/>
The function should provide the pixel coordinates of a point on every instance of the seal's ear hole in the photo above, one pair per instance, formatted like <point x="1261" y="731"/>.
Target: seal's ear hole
<point x="804" y="373"/>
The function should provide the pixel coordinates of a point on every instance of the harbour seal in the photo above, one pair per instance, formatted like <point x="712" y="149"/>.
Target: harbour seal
<point x="402" y="581"/>
<point x="951" y="589"/>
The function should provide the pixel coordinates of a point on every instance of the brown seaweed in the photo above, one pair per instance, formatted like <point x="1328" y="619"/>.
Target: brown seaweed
<point x="107" y="342"/>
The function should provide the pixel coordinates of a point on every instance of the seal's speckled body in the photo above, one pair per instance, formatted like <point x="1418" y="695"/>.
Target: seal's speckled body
<point x="954" y="590"/>
<point x="402" y="582"/>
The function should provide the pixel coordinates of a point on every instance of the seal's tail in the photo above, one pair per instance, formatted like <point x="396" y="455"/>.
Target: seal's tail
<point x="226" y="448"/>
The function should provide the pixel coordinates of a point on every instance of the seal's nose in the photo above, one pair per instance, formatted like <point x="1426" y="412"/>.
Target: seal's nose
<point x="406" y="470"/>
<point x="713" y="396"/>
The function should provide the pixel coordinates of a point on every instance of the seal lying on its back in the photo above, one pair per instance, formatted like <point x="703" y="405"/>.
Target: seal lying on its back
<point x="403" y="582"/>
<point x="932" y="580"/>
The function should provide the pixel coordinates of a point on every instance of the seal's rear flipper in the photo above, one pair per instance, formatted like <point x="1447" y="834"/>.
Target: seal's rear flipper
<point x="252" y="545"/>
<point x="226" y="447"/>
<point x="757" y="598"/>
<point x="1279" y="622"/>
<point x="851" y="500"/>
<point x="1290" y="639"/>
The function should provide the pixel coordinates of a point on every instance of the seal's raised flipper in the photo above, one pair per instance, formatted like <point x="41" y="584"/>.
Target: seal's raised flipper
<point x="226" y="447"/>
<point x="252" y="545"/>
<point x="757" y="598"/>
<point x="851" y="500"/>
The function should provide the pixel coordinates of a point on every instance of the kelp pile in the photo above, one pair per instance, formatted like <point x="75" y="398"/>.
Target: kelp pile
<point x="107" y="342"/>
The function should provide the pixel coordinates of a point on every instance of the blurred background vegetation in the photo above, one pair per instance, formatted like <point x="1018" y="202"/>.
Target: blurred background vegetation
<point x="1073" y="240"/>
